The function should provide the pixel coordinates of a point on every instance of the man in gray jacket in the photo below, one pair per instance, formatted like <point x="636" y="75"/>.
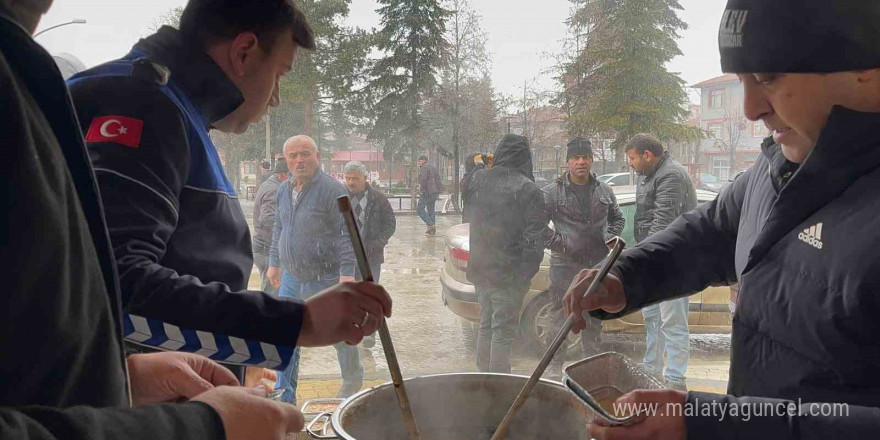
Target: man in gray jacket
<point x="585" y="215"/>
<point x="264" y="222"/>
<point x="798" y="230"/>
<point x="665" y="191"/>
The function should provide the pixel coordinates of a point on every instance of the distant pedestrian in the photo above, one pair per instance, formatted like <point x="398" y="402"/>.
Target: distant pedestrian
<point x="265" y="172"/>
<point x="472" y="164"/>
<point x="264" y="222"/>
<point x="430" y="188"/>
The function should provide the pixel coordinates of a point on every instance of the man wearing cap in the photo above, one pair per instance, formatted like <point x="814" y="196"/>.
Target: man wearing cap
<point x="264" y="221"/>
<point x="265" y="172"/>
<point x="430" y="188"/>
<point x="585" y="215"/>
<point x="798" y="231"/>
<point x="472" y="164"/>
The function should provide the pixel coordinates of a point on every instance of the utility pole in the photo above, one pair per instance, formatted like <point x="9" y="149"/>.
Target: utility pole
<point x="269" y="137"/>
<point x="525" y="129"/>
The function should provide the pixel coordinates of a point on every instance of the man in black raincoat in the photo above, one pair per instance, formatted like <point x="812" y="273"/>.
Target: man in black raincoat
<point x="507" y="229"/>
<point x="798" y="231"/>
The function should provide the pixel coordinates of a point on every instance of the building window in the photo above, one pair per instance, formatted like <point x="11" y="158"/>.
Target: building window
<point x="721" y="166"/>
<point x="759" y="130"/>
<point x="716" y="98"/>
<point x="250" y="168"/>
<point x="716" y="130"/>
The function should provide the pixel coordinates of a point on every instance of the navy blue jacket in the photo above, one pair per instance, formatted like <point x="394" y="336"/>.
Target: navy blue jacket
<point x="178" y="231"/>
<point x="63" y="374"/>
<point x="310" y="240"/>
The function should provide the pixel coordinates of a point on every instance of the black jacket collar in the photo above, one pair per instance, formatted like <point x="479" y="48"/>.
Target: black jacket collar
<point x="203" y="82"/>
<point x="848" y="148"/>
<point x="566" y="181"/>
<point x="663" y="158"/>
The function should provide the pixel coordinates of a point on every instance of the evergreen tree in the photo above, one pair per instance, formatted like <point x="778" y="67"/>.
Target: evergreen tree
<point x="616" y="82"/>
<point x="413" y="49"/>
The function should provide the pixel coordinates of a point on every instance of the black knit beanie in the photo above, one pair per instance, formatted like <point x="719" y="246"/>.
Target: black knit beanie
<point x="803" y="36"/>
<point x="579" y="146"/>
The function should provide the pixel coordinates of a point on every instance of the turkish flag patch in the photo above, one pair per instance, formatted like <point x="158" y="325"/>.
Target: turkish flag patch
<point x="118" y="129"/>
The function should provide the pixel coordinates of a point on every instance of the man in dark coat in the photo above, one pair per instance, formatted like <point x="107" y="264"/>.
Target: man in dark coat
<point x="430" y="188"/>
<point x="374" y="213"/>
<point x="798" y="230"/>
<point x="265" y="172"/>
<point x="585" y="215"/>
<point x="507" y="230"/>
<point x="375" y="219"/>
<point x="664" y="192"/>
<point x="265" y="207"/>
<point x="472" y="164"/>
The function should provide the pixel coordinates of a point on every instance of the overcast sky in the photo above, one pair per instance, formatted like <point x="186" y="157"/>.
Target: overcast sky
<point x="519" y="33"/>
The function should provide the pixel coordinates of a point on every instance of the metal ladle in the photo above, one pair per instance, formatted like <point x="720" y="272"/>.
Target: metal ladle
<point x="396" y="377"/>
<point x="616" y="244"/>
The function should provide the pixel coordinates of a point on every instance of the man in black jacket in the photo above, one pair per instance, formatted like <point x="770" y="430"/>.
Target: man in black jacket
<point x="507" y="230"/>
<point x="265" y="206"/>
<point x="63" y="374"/>
<point x="798" y="231"/>
<point x="664" y="192"/>
<point x="472" y="164"/>
<point x="375" y="219"/>
<point x="181" y="241"/>
<point x="585" y="215"/>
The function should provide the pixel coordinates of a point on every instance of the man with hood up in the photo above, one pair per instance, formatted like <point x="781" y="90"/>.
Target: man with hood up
<point x="507" y="226"/>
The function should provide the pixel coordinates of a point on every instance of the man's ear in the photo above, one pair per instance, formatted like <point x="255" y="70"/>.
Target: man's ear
<point x="242" y="52"/>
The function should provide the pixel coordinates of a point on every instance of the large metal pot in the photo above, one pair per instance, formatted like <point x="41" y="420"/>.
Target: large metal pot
<point x="467" y="406"/>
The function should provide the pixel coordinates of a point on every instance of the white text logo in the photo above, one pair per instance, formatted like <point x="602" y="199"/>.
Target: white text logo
<point x="731" y="32"/>
<point x="812" y="236"/>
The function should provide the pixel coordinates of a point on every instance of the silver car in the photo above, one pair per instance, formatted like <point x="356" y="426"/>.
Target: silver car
<point x="709" y="310"/>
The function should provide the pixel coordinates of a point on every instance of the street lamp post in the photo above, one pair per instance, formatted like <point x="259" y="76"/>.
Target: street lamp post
<point x="76" y="21"/>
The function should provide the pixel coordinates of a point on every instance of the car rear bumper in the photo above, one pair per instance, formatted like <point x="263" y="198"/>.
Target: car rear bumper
<point x="460" y="298"/>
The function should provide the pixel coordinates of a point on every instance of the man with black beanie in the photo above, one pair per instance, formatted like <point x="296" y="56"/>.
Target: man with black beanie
<point x="798" y="231"/>
<point x="585" y="215"/>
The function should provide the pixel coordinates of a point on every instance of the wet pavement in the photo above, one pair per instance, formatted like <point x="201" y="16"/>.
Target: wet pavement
<point x="430" y="339"/>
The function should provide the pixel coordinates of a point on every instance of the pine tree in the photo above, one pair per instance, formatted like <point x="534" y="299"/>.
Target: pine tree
<point x="413" y="50"/>
<point x="320" y="94"/>
<point x="617" y="84"/>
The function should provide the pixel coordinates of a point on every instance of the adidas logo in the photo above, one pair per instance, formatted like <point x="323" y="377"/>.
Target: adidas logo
<point x="812" y="236"/>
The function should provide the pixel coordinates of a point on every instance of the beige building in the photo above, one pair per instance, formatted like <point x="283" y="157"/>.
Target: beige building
<point x="721" y="115"/>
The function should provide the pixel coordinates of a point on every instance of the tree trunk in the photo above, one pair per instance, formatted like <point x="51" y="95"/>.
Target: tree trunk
<point x="309" y="114"/>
